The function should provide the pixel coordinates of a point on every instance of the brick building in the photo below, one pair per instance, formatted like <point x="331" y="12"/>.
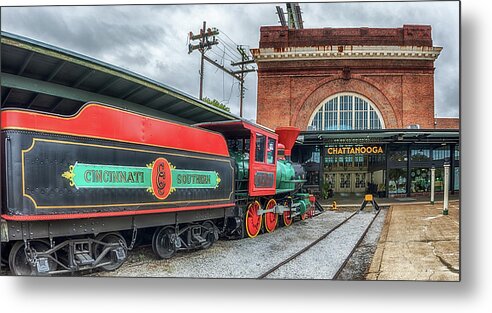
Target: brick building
<point x="370" y="89"/>
<point x="390" y="68"/>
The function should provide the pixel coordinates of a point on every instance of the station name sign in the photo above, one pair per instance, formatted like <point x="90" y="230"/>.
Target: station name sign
<point x="355" y="150"/>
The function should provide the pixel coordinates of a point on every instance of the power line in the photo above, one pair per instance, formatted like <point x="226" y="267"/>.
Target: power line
<point x="204" y="44"/>
<point x="206" y="40"/>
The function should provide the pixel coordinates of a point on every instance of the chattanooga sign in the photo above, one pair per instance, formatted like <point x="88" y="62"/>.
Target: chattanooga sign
<point x="355" y="150"/>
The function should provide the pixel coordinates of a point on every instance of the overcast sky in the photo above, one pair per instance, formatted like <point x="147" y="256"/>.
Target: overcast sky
<point x="152" y="40"/>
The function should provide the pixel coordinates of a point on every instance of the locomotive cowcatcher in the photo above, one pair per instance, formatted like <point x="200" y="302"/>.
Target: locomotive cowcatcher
<point x="79" y="191"/>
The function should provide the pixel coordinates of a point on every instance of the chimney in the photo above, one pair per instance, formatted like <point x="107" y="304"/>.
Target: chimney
<point x="287" y="136"/>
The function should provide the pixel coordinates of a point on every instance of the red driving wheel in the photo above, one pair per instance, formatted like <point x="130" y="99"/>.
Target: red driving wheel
<point x="287" y="218"/>
<point x="253" y="220"/>
<point x="271" y="218"/>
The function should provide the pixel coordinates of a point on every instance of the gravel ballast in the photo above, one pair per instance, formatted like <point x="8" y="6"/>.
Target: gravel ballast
<point x="324" y="259"/>
<point x="249" y="258"/>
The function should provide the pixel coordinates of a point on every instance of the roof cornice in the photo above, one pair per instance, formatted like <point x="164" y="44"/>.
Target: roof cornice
<point x="346" y="52"/>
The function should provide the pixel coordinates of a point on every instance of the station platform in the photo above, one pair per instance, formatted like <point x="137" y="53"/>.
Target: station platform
<point x="418" y="242"/>
<point x="355" y="200"/>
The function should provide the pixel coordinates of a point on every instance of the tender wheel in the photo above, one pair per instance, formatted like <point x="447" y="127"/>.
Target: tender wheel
<point x="163" y="242"/>
<point x="208" y="234"/>
<point x="253" y="220"/>
<point x="287" y="218"/>
<point x="19" y="263"/>
<point x="116" y="257"/>
<point x="271" y="218"/>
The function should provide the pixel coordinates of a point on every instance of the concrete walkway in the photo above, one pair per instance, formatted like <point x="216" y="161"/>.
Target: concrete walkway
<point x="418" y="243"/>
<point x="356" y="200"/>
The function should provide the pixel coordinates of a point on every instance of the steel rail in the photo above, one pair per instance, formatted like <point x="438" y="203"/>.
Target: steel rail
<point x="357" y="244"/>
<point x="295" y="255"/>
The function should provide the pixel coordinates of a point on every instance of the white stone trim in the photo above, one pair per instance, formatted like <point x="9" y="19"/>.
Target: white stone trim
<point x="348" y="52"/>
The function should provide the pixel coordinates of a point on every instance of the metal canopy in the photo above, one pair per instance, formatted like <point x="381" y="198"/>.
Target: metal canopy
<point x="381" y="136"/>
<point x="42" y="77"/>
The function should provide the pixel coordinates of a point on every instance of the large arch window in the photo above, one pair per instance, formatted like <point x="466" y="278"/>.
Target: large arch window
<point x="345" y="112"/>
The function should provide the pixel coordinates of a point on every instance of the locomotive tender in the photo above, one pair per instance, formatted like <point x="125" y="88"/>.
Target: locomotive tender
<point x="76" y="190"/>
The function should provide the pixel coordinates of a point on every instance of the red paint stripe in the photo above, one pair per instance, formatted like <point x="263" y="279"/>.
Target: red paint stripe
<point x="99" y="121"/>
<point x="107" y="214"/>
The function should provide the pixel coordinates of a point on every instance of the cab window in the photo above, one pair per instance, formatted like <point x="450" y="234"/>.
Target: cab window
<point x="260" y="148"/>
<point x="272" y="144"/>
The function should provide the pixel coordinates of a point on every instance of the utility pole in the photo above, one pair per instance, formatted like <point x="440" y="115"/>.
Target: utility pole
<point x="204" y="44"/>
<point x="244" y="60"/>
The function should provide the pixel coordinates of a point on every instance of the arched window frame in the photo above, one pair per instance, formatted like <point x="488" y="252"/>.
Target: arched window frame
<point x="328" y="115"/>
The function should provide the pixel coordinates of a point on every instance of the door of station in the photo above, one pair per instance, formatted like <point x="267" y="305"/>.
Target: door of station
<point x="347" y="182"/>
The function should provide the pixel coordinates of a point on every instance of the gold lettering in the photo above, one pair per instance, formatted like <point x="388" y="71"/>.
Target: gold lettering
<point x="98" y="176"/>
<point x="87" y="176"/>
<point x="130" y="178"/>
<point x="106" y="176"/>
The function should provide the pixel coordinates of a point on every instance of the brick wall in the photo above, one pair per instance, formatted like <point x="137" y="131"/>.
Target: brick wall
<point x="282" y="37"/>
<point x="290" y="91"/>
<point x="447" y="123"/>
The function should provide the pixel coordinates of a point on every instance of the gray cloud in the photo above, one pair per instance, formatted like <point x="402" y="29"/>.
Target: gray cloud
<point x="152" y="40"/>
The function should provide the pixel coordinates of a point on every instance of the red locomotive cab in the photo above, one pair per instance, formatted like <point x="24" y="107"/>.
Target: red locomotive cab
<point x="262" y="152"/>
<point x="262" y="163"/>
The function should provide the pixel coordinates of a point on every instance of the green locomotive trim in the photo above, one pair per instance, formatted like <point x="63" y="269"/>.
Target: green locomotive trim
<point x="83" y="175"/>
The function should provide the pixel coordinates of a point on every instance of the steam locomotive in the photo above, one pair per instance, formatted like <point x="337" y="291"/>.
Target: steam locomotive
<point x="78" y="191"/>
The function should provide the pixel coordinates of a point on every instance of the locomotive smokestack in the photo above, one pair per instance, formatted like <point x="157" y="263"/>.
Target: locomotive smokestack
<point x="287" y="136"/>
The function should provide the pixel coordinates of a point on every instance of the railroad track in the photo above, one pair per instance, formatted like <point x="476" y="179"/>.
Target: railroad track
<point x="321" y="238"/>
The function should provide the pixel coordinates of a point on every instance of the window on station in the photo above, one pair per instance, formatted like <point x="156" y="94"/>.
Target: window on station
<point x="272" y="145"/>
<point x="420" y="180"/>
<point x="398" y="154"/>
<point x="420" y="154"/>
<point x="313" y="156"/>
<point x="441" y="153"/>
<point x="345" y="112"/>
<point x="260" y="148"/>
<point x="397" y="183"/>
